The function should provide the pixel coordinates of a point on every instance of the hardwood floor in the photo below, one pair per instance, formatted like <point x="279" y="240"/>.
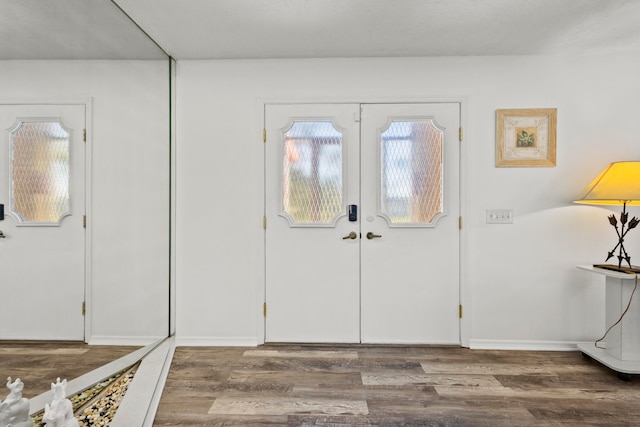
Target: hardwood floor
<point x="388" y="386"/>
<point x="38" y="363"/>
<point x="291" y="385"/>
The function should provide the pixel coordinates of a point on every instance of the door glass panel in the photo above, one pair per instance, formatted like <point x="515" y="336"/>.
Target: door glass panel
<point x="312" y="173"/>
<point x="411" y="184"/>
<point x="39" y="172"/>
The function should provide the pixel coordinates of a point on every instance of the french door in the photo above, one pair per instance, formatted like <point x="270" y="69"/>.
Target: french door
<point x="362" y="207"/>
<point x="42" y="246"/>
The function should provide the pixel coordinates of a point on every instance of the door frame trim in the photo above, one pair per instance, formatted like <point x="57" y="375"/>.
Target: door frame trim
<point x="260" y="204"/>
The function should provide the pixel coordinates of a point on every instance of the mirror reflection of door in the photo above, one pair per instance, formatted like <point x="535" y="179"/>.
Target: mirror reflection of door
<point x="42" y="256"/>
<point x="111" y="63"/>
<point x="390" y="276"/>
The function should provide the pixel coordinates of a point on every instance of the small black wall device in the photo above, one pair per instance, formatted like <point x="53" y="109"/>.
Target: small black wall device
<point x="353" y="213"/>
<point x="1" y="212"/>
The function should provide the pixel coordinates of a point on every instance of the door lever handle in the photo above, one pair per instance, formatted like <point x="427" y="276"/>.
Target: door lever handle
<point x="370" y="236"/>
<point x="2" y="236"/>
<point x="351" y="235"/>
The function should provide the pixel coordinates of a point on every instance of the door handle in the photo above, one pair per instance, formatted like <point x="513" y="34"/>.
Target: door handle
<point x="370" y="236"/>
<point x="2" y="236"/>
<point x="351" y="235"/>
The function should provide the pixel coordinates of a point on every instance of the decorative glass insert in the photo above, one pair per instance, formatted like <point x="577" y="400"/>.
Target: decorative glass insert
<point x="411" y="172"/>
<point x="40" y="172"/>
<point x="312" y="172"/>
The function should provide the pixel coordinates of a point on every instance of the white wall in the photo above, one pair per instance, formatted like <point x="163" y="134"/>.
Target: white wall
<point x="520" y="284"/>
<point x="129" y="215"/>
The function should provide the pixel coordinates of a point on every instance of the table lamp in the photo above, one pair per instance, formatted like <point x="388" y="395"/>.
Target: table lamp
<point x="617" y="184"/>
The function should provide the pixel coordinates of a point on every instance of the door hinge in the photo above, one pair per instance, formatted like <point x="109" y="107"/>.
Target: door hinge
<point x="84" y="308"/>
<point x="460" y="134"/>
<point x="84" y="221"/>
<point x="264" y="309"/>
<point x="264" y="222"/>
<point x="84" y="135"/>
<point x="459" y="223"/>
<point x="460" y="311"/>
<point x="264" y="135"/>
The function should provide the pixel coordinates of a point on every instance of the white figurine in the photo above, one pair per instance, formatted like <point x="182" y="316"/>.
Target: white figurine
<point x="60" y="412"/>
<point x="14" y="411"/>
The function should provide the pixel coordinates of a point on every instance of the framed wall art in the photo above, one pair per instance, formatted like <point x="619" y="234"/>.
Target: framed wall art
<point x="526" y="137"/>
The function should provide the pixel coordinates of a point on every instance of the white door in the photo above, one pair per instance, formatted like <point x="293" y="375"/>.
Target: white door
<point x="410" y="198"/>
<point x="312" y="271"/>
<point x="395" y="279"/>
<point x="42" y="188"/>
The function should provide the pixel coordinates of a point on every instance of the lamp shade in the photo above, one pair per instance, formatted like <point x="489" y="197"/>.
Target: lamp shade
<point x="617" y="184"/>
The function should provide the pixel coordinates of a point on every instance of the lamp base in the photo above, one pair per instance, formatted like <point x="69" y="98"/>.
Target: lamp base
<point x="624" y="220"/>
<point x="634" y="269"/>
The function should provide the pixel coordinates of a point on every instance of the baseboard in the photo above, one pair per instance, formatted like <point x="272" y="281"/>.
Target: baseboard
<point x="410" y="343"/>
<point x="216" y="342"/>
<point x="523" y="345"/>
<point x="126" y="341"/>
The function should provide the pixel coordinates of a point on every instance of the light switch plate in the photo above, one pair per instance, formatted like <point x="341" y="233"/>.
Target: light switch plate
<point x="499" y="216"/>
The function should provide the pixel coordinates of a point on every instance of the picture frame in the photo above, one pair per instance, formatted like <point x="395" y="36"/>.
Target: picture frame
<point x="526" y="137"/>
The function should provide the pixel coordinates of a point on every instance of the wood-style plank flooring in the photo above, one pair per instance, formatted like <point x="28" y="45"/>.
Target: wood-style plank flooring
<point x="278" y="385"/>
<point x="289" y="385"/>
<point x="39" y="363"/>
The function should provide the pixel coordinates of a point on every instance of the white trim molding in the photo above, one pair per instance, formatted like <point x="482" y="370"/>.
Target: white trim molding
<point x="122" y="340"/>
<point x="523" y="345"/>
<point x="216" y="341"/>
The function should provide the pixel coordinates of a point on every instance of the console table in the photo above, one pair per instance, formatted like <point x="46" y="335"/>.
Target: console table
<point x="622" y="349"/>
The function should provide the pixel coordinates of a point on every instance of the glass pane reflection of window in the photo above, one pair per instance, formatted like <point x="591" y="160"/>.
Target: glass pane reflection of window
<point x="40" y="172"/>
<point x="411" y="180"/>
<point x="312" y="172"/>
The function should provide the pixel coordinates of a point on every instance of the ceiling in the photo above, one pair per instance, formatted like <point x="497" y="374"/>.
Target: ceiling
<point x="70" y="29"/>
<point x="248" y="29"/>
